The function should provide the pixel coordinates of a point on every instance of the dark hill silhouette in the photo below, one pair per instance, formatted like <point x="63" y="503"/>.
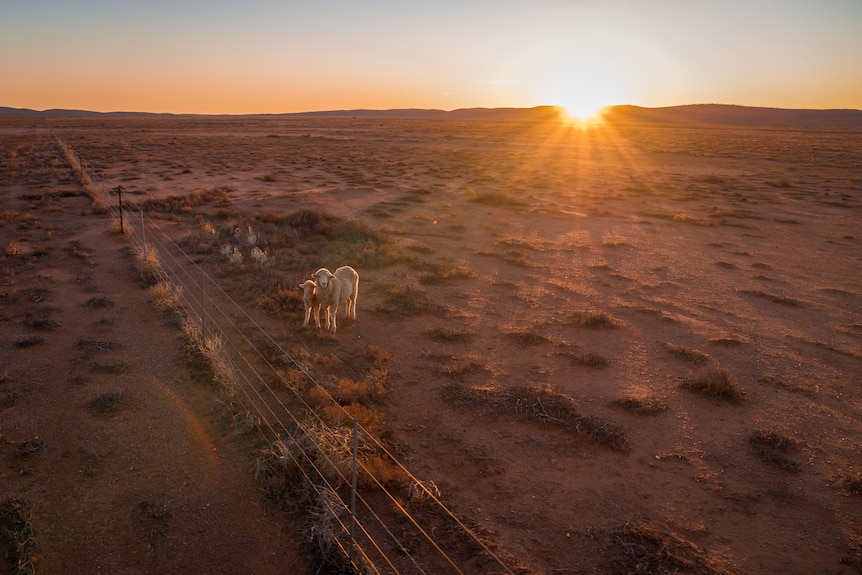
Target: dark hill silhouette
<point x="721" y="114"/>
<point x="699" y="114"/>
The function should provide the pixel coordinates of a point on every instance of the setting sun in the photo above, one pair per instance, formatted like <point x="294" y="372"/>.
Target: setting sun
<point x="583" y="94"/>
<point x="582" y="115"/>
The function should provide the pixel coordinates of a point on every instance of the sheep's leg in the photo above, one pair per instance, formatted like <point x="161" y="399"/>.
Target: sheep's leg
<point x="307" y="316"/>
<point x="353" y="301"/>
<point x="317" y="316"/>
<point x="334" y="315"/>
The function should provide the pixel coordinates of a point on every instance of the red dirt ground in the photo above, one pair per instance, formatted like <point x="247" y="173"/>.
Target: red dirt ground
<point x="738" y="248"/>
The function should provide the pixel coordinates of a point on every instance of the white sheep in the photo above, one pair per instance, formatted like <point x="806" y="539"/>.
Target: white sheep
<point x="312" y="302"/>
<point x="333" y="289"/>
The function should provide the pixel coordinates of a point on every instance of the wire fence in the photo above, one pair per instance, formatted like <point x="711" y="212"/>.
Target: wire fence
<point x="367" y="529"/>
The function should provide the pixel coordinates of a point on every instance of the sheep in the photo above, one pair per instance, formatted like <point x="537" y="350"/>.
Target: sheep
<point x="311" y="300"/>
<point x="333" y="289"/>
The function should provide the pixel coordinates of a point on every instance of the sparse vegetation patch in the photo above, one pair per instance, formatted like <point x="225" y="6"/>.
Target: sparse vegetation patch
<point x="779" y="299"/>
<point x="715" y="382"/>
<point x="449" y="335"/>
<point x="775" y="448"/>
<point x="494" y="198"/>
<point x="647" y="547"/>
<point x="539" y="405"/>
<point x="99" y="302"/>
<point x="591" y="319"/>
<point x="853" y="482"/>
<point x="156" y="516"/>
<point x="408" y="301"/>
<point x="28" y="340"/>
<point x="39" y="320"/>
<point x="19" y="536"/>
<point x="149" y="265"/>
<point x="687" y="354"/>
<point x="528" y="336"/>
<point x="434" y="274"/>
<point x="29" y="447"/>
<point x="581" y="357"/>
<point x="641" y="404"/>
<point x="104" y="403"/>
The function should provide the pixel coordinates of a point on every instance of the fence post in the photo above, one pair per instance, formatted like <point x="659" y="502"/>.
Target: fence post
<point x="353" y="486"/>
<point x="203" y="304"/>
<point x="120" y="202"/>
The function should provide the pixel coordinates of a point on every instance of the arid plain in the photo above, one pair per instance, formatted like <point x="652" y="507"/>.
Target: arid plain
<point x="632" y="348"/>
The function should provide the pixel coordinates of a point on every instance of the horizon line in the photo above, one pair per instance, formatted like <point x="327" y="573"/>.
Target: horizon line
<point x="418" y="109"/>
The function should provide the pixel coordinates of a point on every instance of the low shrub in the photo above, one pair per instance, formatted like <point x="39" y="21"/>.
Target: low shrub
<point x="775" y="448"/>
<point x="715" y="382"/>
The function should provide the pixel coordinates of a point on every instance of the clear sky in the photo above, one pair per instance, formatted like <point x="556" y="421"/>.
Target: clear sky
<point x="270" y="56"/>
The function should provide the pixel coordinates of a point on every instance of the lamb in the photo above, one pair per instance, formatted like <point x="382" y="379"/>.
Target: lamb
<point x="311" y="300"/>
<point x="333" y="289"/>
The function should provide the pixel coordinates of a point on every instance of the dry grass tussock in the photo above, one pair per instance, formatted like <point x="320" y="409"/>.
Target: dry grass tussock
<point x="327" y="533"/>
<point x="774" y="298"/>
<point x="29" y="447"/>
<point x="591" y="319"/>
<point x="435" y="274"/>
<point x="449" y="335"/>
<point x="528" y="336"/>
<point x="408" y="301"/>
<point x="369" y="391"/>
<point x="149" y="265"/>
<point x="292" y="470"/>
<point x="542" y="406"/>
<point x="208" y="356"/>
<point x="99" y="204"/>
<point x="647" y="547"/>
<point x="276" y="298"/>
<point x="641" y="404"/>
<point x="687" y="354"/>
<point x="853" y="482"/>
<point x="19" y="536"/>
<point x="715" y="382"/>
<point x="309" y="468"/>
<point x="25" y="341"/>
<point x="364" y="246"/>
<point x="775" y="448"/>
<point x="166" y="296"/>
<point x="104" y="403"/>
<point x="581" y="357"/>
<point x="174" y="204"/>
<point x="156" y="516"/>
<point x="265" y="240"/>
<point x="347" y="399"/>
<point x="494" y="198"/>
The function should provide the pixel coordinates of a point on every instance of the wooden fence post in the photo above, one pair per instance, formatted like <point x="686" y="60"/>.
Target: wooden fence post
<point x="120" y="202"/>
<point x="203" y="304"/>
<point x="353" y="487"/>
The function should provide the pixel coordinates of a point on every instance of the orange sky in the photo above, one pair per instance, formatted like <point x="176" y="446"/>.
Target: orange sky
<point x="283" y="56"/>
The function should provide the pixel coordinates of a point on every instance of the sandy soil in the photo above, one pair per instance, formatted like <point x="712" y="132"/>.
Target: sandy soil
<point x="606" y="268"/>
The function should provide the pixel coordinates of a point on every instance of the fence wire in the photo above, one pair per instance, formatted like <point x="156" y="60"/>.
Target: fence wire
<point x="387" y="540"/>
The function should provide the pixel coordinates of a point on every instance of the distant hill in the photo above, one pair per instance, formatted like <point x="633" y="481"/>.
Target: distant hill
<point x="699" y="114"/>
<point x="537" y="114"/>
<point x="57" y="113"/>
<point x="721" y="114"/>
